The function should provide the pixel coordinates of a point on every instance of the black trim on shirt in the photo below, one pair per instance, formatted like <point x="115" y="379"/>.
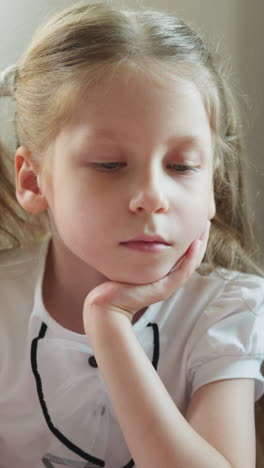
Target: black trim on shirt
<point x="64" y="440"/>
<point x="70" y="445"/>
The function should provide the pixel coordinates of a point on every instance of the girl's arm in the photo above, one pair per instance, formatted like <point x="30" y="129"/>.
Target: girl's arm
<point x="218" y="431"/>
<point x="155" y="431"/>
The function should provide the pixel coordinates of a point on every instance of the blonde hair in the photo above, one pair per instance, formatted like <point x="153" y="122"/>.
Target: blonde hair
<point x="80" y="45"/>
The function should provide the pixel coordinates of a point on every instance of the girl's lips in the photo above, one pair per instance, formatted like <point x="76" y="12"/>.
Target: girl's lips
<point x="147" y="238"/>
<point x="144" y="246"/>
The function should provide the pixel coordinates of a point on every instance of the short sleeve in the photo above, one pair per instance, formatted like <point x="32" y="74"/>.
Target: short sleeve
<point x="228" y="340"/>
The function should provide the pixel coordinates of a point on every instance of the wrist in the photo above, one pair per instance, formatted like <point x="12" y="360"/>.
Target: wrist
<point x="99" y="320"/>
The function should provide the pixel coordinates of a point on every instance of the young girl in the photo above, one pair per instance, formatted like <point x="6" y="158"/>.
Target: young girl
<point x="129" y="336"/>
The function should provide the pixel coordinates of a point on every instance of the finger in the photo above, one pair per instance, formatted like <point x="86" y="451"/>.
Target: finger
<point x="189" y="262"/>
<point x="206" y="231"/>
<point x="197" y="254"/>
<point x="204" y="239"/>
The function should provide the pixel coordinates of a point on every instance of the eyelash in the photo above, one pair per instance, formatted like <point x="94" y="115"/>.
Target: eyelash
<point x="108" y="167"/>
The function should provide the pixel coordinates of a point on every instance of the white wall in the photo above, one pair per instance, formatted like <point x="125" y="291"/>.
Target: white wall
<point x="234" y="25"/>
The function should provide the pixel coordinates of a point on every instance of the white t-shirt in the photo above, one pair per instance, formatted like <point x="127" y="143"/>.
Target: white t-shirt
<point x="54" y="407"/>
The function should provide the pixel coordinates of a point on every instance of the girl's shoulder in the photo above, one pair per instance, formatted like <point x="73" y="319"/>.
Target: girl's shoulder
<point x="227" y="337"/>
<point x="15" y="261"/>
<point x="19" y="270"/>
<point x="225" y="287"/>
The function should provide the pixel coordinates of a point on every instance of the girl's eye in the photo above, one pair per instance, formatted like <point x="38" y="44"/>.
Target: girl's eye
<point x="110" y="167"/>
<point x="182" y="167"/>
<point x="114" y="166"/>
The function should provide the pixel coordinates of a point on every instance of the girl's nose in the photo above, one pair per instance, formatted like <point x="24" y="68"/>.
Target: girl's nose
<point x="149" y="197"/>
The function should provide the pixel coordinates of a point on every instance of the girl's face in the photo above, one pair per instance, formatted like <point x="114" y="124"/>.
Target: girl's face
<point x="136" y="159"/>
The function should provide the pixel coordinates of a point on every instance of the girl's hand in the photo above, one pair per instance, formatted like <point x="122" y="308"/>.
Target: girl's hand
<point x="127" y="299"/>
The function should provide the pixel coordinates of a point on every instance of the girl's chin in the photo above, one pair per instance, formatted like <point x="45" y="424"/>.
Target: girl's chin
<point x="141" y="277"/>
<point x="142" y="274"/>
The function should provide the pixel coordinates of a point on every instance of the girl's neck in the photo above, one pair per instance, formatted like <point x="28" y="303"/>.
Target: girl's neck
<point x="66" y="283"/>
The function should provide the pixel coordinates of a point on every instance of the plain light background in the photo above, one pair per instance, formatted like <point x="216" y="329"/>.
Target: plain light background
<point x="233" y="27"/>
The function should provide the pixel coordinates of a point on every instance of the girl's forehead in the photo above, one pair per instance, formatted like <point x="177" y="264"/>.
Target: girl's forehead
<point x="127" y="79"/>
<point x="136" y="90"/>
<point x="140" y="109"/>
<point x="135" y="107"/>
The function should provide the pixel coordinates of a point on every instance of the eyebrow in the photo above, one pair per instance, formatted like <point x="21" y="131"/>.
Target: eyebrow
<point x="188" y="140"/>
<point x="183" y="140"/>
<point x="175" y="143"/>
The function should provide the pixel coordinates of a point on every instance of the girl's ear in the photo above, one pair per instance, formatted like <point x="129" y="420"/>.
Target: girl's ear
<point x="28" y="192"/>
